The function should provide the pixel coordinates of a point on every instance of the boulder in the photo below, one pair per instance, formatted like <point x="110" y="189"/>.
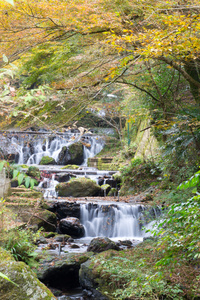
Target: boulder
<point x="34" y="172"/>
<point x="62" y="238"/>
<point x="78" y="187"/>
<point x="101" y="244"/>
<point x="71" y="155"/>
<point x="62" y="177"/>
<point x="47" y="160"/>
<point x="26" y="286"/>
<point x="45" y="219"/>
<point x="61" y="272"/>
<point x="72" y="227"/>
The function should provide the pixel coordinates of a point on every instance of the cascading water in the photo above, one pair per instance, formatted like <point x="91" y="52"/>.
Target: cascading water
<point x="31" y="148"/>
<point x="121" y="221"/>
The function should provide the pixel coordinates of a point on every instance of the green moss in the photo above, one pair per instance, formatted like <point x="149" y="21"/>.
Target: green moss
<point x="72" y="167"/>
<point x="47" y="160"/>
<point x="33" y="172"/>
<point x="78" y="187"/>
<point x="27" y="285"/>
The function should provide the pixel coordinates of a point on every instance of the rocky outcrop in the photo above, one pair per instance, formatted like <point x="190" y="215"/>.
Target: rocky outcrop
<point x="71" y="155"/>
<point x="99" y="244"/>
<point x="78" y="187"/>
<point x="26" y="286"/>
<point x="64" y="209"/>
<point x="47" y="160"/>
<point x="72" y="226"/>
<point x="90" y="282"/>
<point x="45" y="219"/>
<point x="61" y="272"/>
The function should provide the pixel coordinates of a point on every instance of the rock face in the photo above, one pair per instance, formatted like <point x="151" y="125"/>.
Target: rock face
<point x="65" y="209"/>
<point x="62" y="271"/>
<point x="47" y="160"/>
<point x="27" y="285"/>
<point x="89" y="282"/>
<point x="71" y="155"/>
<point x="98" y="245"/>
<point x="72" y="226"/>
<point x="78" y="187"/>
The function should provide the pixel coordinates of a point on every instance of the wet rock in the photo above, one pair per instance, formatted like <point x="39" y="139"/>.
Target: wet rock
<point x="65" y="209"/>
<point x="47" y="160"/>
<point x="71" y="155"/>
<point x="98" y="245"/>
<point x="78" y="187"/>
<point x="72" y="226"/>
<point x="27" y="285"/>
<point x="41" y="240"/>
<point x="62" y="238"/>
<point x="74" y="246"/>
<point x="61" y="272"/>
<point x="62" y="177"/>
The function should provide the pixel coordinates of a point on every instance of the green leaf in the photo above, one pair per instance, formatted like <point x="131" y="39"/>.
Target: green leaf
<point x="27" y="181"/>
<point x="6" y="277"/>
<point x="32" y="182"/>
<point x="15" y="173"/>
<point x="20" y="178"/>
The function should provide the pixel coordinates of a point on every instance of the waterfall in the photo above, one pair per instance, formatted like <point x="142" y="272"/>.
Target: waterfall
<point x="95" y="147"/>
<point x="49" y="184"/>
<point x="122" y="220"/>
<point x="31" y="148"/>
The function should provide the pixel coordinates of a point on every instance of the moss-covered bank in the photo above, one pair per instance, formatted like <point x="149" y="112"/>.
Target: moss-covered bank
<point x="26" y="287"/>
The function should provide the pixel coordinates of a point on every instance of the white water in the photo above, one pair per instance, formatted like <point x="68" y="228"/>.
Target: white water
<point x="31" y="148"/>
<point x="113" y="221"/>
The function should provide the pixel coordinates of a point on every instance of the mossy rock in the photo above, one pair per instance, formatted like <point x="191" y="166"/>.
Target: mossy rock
<point x="47" y="160"/>
<point x="101" y="244"/>
<point x="78" y="187"/>
<point x="113" y="192"/>
<point x="117" y="176"/>
<point x="70" y="167"/>
<point x="45" y="219"/>
<point x="26" y="286"/>
<point x="24" y="166"/>
<point x="34" y="172"/>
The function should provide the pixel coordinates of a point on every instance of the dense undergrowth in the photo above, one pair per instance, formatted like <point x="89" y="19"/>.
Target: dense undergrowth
<point x="136" y="274"/>
<point x="163" y="267"/>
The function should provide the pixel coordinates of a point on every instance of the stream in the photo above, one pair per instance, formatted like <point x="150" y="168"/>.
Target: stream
<point x="118" y="221"/>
